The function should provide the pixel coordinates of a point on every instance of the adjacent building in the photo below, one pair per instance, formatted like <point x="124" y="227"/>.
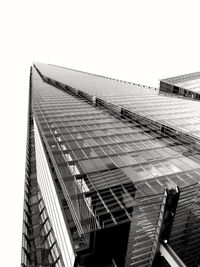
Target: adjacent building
<point x="112" y="172"/>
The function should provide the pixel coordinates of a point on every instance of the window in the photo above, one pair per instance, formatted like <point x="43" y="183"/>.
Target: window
<point x="118" y="162"/>
<point x="79" y="154"/>
<point x="99" y="164"/>
<point x="109" y="163"/>
<point x="87" y="165"/>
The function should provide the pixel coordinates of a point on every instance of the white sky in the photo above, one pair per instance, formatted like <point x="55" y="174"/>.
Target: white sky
<point x="139" y="41"/>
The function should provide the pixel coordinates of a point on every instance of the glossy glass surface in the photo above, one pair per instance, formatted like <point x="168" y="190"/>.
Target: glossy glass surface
<point x="188" y="81"/>
<point x="94" y="150"/>
<point x="180" y="114"/>
<point x="114" y="169"/>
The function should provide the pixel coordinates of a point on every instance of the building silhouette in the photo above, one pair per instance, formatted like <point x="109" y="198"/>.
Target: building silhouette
<point x="112" y="171"/>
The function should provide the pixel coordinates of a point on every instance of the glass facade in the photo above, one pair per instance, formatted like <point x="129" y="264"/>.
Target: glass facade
<point x="185" y="85"/>
<point x="106" y="150"/>
<point x="181" y="114"/>
<point x="39" y="244"/>
<point x="49" y="195"/>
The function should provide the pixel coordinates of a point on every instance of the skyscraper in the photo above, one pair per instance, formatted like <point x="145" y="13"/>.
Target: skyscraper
<point x="112" y="172"/>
